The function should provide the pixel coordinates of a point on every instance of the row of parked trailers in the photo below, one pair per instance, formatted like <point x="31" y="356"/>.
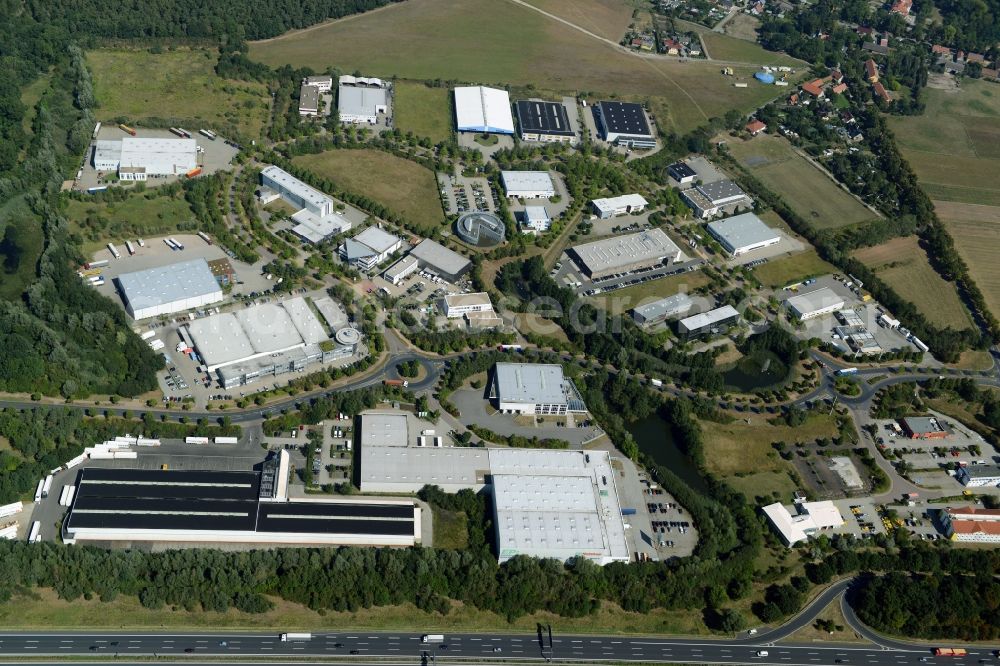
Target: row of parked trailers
<point x="206" y="440"/>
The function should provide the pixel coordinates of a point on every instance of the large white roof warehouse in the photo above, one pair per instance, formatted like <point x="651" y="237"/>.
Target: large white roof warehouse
<point x="142" y="157"/>
<point x="167" y="289"/>
<point x="626" y="253"/>
<point x="480" y="109"/>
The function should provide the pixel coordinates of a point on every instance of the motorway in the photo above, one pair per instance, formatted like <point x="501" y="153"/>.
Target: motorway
<point x="406" y="647"/>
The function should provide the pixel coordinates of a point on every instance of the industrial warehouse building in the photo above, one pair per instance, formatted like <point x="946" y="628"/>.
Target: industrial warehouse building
<point x="308" y="100"/>
<point x="743" y="233"/>
<point x="250" y="507"/>
<point x="528" y="184"/>
<point x="924" y="427"/>
<point x="370" y="248"/>
<point x="547" y="504"/>
<point x="265" y="340"/>
<point x="402" y="269"/>
<point x="167" y="289"/>
<point x="810" y="518"/>
<point x="712" y="321"/>
<point x="360" y="100"/>
<point x="626" y="204"/>
<point x="631" y="252"/>
<point x="481" y="109"/>
<point x="544" y="122"/>
<point x="971" y="524"/>
<point x="682" y="172"/>
<point x="815" y="304"/>
<point x="316" y="220"/>
<point x="659" y="311"/>
<point x="978" y="476"/>
<point x="708" y="199"/>
<point x="138" y="159"/>
<point x="436" y="258"/>
<point x="624" y="124"/>
<point x="534" y="388"/>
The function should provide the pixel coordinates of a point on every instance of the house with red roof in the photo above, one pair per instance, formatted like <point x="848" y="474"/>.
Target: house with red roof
<point x="871" y="71"/>
<point x="814" y="88"/>
<point x="755" y="127"/>
<point x="882" y="92"/>
<point x="938" y="49"/>
<point x="901" y="7"/>
<point x="972" y="524"/>
<point x="840" y="89"/>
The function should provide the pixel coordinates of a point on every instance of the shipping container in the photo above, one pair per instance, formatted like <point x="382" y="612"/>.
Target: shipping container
<point x="193" y="172"/>
<point x="70" y="495"/>
<point x="226" y="440"/>
<point x="141" y="242"/>
<point x="97" y="128"/>
<point x="63" y="494"/>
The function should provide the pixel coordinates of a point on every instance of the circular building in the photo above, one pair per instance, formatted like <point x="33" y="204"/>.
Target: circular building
<point x="348" y="336"/>
<point x="481" y="229"/>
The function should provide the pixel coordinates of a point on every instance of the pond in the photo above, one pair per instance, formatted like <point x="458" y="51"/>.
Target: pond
<point x="656" y="439"/>
<point x="759" y="370"/>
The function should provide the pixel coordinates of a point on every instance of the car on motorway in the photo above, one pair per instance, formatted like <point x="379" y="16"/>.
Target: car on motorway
<point x="496" y="649"/>
<point x="762" y="653"/>
<point x="189" y="650"/>
<point x="355" y="652"/>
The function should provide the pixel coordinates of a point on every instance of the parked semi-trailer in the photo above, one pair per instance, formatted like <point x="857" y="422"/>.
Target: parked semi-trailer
<point x="184" y="132"/>
<point x="178" y="131"/>
<point x="11" y="509"/>
<point x="179" y="246"/>
<point x="209" y="133"/>
<point x="97" y="128"/>
<point x="141" y="242"/>
<point x="114" y="251"/>
<point x="130" y="247"/>
<point x="169" y="244"/>
<point x="296" y="637"/>
<point x="70" y="495"/>
<point x="35" y="535"/>
<point x="47" y="486"/>
<point x="205" y="237"/>
<point x="95" y="190"/>
<point x="193" y="172"/>
<point x="96" y="264"/>
<point x="196" y="440"/>
<point x="38" y="490"/>
<point x="125" y="128"/>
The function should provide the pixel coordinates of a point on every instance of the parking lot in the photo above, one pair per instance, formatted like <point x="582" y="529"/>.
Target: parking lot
<point x="786" y="247"/>
<point x="464" y="193"/>
<point x="568" y="274"/>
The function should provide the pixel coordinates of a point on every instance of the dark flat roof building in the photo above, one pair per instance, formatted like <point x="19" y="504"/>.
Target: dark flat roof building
<point x="623" y="123"/>
<point x="542" y="121"/>
<point x="138" y="505"/>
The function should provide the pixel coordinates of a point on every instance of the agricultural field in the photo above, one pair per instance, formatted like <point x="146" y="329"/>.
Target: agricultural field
<point x="976" y="230"/>
<point x="404" y="187"/>
<point x="810" y="192"/>
<point x="725" y="47"/>
<point x="742" y="26"/>
<point x="432" y="39"/>
<point x="779" y="272"/>
<point x="742" y="455"/>
<point x="607" y="18"/>
<point x="423" y="110"/>
<point x="176" y="86"/>
<point x="954" y="146"/>
<point x="904" y="266"/>
<point x="138" y="216"/>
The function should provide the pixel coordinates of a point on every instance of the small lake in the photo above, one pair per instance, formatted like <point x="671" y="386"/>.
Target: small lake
<point x="656" y="439"/>
<point x="760" y="370"/>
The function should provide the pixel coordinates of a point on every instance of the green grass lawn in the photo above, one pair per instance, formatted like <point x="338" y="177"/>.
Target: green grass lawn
<point x="724" y="47"/>
<point x="433" y="39"/>
<point x="403" y="186"/>
<point x="177" y="85"/>
<point x="423" y="110"/>
<point x="450" y="529"/>
<point x="623" y="300"/>
<point x="808" y="190"/>
<point x="142" y="215"/>
<point x="779" y="272"/>
<point x="30" y="95"/>
<point x="21" y="242"/>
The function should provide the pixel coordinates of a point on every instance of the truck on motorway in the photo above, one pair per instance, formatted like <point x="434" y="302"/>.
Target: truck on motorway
<point x="35" y="535"/>
<point x="395" y="382"/>
<point x="846" y="371"/>
<point x="430" y="638"/>
<point x="114" y="251"/>
<point x="47" y="486"/>
<point x="950" y="652"/>
<point x="296" y="637"/>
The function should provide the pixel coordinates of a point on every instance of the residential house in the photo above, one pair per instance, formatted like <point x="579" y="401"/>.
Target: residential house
<point x="901" y="7"/>
<point x="871" y="71"/>
<point x="813" y="88"/>
<point x="755" y="127"/>
<point x="840" y="89"/>
<point x="881" y="92"/>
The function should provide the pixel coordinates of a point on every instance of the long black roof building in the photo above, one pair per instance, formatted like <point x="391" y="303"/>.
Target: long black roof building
<point x="138" y="505"/>
<point x="537" y="117"/>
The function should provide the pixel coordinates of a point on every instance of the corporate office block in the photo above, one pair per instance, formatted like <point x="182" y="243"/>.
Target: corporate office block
<point x="316" y="220"/>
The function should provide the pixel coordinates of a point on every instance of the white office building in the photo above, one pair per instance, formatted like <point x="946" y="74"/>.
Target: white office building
<point x="743" y="233"/>
<point x="528" y="184"/>
<point x="316" y="220"/>
<point x="534" y="388"/>
<point x="815" y="303"/>
<point x="167" y="289"/>
<point x="323" y="82"/>
<point x="137" y="159"/>
<point x="402" y="269"/>
<point x="459" y="305"/>
<point x="536" y="219"/>
<point x="809" y="519"/>
<point x="481" y="109"/>
<point x="370" y="248"/>
<point x="626" y="204"/>
<point x="716" y="320"/>
<point x="658" y="311"/>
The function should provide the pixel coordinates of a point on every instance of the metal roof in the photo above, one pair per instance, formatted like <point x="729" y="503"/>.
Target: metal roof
<point x="462" y="300"/>
<point x="305" y="322"/>
<point x="538" y="116"/>
<point x="438" y="257"/>
<point x="308" y="97"/>
<point x="383" y="429"/>
<point x="269" y="328"/>
<point x="377" y="239"/>
<point x="742" y="231"/>
<point x="361" y="101"/>
<point x="665" y="307"/>
<point x="153" y="287"/>
<point x="700" y="321"/>
<point x="814" y="301"/>
<point x="480" y="109"/>
<point x="220" y="339"/>
<point x="530" y="383"/>
<point x="307" y="193"/>
<point x="160" y="155"/>
<point x="721" y="192"/>
<point x="624" y="118"/>
<point x="620" y="251"/>
<point x="526" y="181"/>
<point x="611" y="204"/>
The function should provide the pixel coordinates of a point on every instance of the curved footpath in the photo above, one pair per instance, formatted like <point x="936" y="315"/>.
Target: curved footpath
<point x="408" y="647"/>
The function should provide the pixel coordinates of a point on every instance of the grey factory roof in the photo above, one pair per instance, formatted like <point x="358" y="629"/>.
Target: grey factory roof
<point x="721" y="191"/>
<point x="441" y="466"/>
<point x="530" y="383"/>
<point x="619" y="251"/>
<point x="665" y="307"/>
<point x="360" y="101"/>
<point x="700" y="321"/>
<point x="308" y="97"/>
<point x="332" y="311"/>
<point x="543" y="117"/>
<point x="269" y="328"/>
<point x="220" y="339"/>
<point x="742" y="231"/>
<point x="166" y="284"/>
<point x="292" y="184"/>
<point x="377" y="239"/>
<point x="624" y="118"/>
<point x="813" y="301"/>
<point x="383" y="429"/>
<point x="526" y="181"/>
<point x="437" y="256"/>
<point x="305" y="322"/>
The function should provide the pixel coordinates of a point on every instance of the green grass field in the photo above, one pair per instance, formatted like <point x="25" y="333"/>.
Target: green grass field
<point x="176" y="85"/>
<point x="904" y="266"/>
<point x="423" y="110"/>
<point x="779" y="272"/>
<point x="808" y="190"/>
<point x="403" y="186"/>
<point x="30" y="95"/>
<point x="725" y="47"/>
<point x="141" y="215"/>
<point x="21" y="242"/>
<point x="741" y="453"/>
<point x="432" y="39"/>
<point x="623" y="300"/>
